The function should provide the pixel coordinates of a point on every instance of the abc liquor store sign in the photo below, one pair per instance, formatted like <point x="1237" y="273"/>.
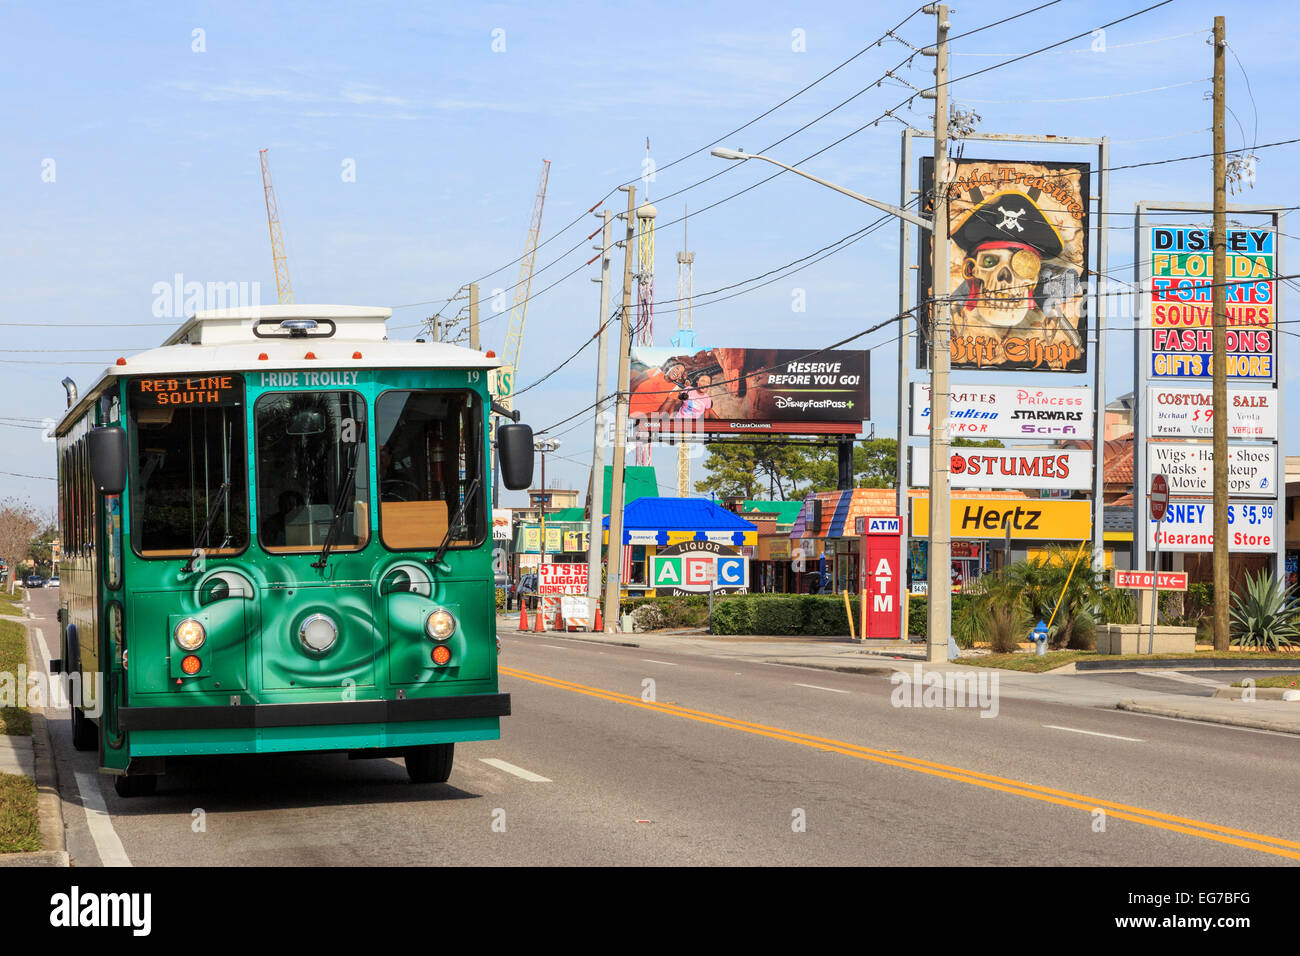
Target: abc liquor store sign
<point x="696" y="567"/>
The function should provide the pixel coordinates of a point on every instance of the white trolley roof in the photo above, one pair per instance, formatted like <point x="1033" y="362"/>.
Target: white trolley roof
<point x="225" y="340"/>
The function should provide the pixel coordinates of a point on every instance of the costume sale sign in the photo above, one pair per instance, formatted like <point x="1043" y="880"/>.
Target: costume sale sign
<point x="997" y="468"/>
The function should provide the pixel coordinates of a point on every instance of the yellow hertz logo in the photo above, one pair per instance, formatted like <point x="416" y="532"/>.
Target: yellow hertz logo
<point x="1275" y="846"/>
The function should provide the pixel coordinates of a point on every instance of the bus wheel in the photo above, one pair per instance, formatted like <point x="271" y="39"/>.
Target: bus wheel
<point x="430" y="764"/>
<point x="85" y="735"/>
<point x="140" y="785"/>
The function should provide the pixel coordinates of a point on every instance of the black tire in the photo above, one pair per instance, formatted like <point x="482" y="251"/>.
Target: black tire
<point x="430" y="764"/>
<point x="85" y="735"/>
<point x="140" y="785"/>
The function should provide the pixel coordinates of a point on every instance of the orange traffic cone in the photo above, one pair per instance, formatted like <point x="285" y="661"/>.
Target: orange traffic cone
<point x="523" y="615"/>
<point x="540" y="627"/>
<point x="599" y="625"/>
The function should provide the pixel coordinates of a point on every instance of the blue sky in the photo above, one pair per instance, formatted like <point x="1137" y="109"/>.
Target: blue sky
<point x="154" y="149"/>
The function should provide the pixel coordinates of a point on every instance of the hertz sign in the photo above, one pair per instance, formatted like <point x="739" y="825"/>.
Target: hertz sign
<point x="1028" y="519"/>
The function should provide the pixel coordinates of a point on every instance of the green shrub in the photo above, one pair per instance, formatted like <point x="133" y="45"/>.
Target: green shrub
<point x="1266" y="615"/>
<point x="501" y="600"/>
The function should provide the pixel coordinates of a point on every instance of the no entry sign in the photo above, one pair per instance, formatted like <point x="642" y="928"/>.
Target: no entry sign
<point x="1159" y="497"/>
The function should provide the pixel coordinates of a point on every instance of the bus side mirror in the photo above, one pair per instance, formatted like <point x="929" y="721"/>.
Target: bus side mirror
<point x="107" y="450"/>
<point x="515" y="448"/>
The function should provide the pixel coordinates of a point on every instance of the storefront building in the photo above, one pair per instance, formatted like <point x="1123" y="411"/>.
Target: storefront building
<point x="653" y="525"/>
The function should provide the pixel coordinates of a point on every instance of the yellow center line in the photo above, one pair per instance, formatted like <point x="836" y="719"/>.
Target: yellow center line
<point x="1153" y="818"/>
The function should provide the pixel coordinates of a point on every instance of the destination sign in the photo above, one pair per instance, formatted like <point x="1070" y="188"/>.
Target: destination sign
<point x="188" y="390"/>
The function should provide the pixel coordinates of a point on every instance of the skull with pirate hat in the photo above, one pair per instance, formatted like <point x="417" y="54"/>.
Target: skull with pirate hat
<point x="1006" y="239"/>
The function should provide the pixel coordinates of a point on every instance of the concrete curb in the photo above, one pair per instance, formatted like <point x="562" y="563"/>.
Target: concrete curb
<point x="1288" y="724"/>
<point x="874" y="670"/>
<point x="1261" y="693"/>
<point x="49" y="805"/>
<point x="1187" y="663"/>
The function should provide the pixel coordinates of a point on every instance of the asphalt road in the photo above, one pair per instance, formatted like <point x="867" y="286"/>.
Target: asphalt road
<point x="730" y="762"/>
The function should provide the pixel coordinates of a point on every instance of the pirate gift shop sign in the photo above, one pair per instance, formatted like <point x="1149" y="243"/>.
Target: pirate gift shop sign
<point x="1018" y="261"/>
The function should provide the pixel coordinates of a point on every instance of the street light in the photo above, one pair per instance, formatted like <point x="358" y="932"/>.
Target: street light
<point x="940" y="546"/>
<point x="544" y="445"/>
<point x="724" y="153"/>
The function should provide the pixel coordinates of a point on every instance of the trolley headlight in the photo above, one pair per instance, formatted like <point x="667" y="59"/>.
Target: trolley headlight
<point x="318" y="633"/>
<point x="440" y="624"/>
<point x="190" y="634"/>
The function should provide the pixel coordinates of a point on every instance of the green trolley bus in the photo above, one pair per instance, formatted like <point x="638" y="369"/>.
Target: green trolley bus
<point x="277" y="537"/>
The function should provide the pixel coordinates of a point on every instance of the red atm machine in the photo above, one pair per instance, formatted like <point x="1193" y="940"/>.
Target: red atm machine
<point x="880" y="578"/>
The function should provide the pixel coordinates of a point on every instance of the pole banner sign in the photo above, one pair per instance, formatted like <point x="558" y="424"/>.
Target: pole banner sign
<point x="502" y="524"/>
<point x="1008" y="411"/>
<point x="1182" y="277"/>
<point x="739" y="390"/>
<point x="1177" y="412"/>
<point x="1003" y="468"/>
<point x="1143" y="580"/>
<point x="1018" y="260"/>
<point x="1189" y="526"/>
<point x="562" y="579"/>
<point x="1023" y="519"/>
<point x="1189" y="468"/>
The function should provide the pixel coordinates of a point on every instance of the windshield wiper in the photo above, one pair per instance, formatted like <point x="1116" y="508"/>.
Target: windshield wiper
<point x="340" y="504"/>
<point x="206" y="530"/>
<point x="451" y="525"/>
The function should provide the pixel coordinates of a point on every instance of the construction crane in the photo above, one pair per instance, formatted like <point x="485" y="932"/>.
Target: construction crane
<point x="283" y="287"/>
<point x="645" y="283"/>
<point x="505" y="376"/>
<point x="684" y="340"/>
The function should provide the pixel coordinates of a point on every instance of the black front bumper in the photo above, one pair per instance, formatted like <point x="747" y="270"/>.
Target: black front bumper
<point x="242" y="716"/>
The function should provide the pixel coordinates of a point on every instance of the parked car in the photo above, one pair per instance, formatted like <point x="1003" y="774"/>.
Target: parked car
<point x="33" y="581"/>
<point x="528" y="590"/>
<point x="52" y="582"/>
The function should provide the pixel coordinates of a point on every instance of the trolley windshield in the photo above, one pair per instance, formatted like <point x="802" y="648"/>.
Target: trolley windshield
<point x="189" y="465"/>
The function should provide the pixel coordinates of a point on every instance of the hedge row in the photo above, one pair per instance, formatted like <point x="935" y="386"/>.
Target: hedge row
<point x="918" y="611"/>
<point x="821" y="614"/>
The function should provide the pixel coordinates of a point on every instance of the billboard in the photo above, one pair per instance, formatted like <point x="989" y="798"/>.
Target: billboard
<point x="1189" y="526"/>
<point x="502" y="524"/>
<point x="1018" y="261"/>
<point x="741" y="390"/>
<point x="1189" y="468"/>
<point x="1008" y="411"/>
<point x="1182" y="276"/>
<point x="998" y="468"/>
<point x="1179" y="412"/>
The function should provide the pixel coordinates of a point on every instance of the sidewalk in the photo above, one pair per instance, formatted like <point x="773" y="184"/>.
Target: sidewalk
<point x="883" y="658"/>
<point x="33" y="757"/>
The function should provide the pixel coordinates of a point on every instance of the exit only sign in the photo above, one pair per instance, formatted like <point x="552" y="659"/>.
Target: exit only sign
<point x="1142" y="580"/>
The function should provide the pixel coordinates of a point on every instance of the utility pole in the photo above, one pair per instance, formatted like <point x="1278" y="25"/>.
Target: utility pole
<point x="473" y="316"/>
<point x="1219" y="340"/>
<point x="594" y="500"/>
<point x="614" y="553"/>
<point x="939" y="578"/>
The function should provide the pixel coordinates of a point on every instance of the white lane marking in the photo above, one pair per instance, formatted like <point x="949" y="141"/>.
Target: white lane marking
<point x="1093" y="733"/>
<point x="107" y="844"/>
<point x="554" y="647"/>
<point x="517" y="771"/>
<point x="833" y="690"/>
<point x="40" y="647"/>
<point x="665" y="663"/>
